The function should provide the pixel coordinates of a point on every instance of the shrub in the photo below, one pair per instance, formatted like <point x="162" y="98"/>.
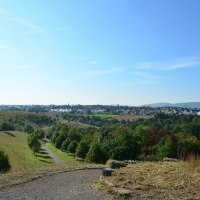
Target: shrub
<point x="28" y="129"/>
<point x="39" y="133"/>
<point x="96" y="153"/>
<point x="65" y="144"/>
<point x="33" y="143"/>
<point x="4" y="162"/>
<point x="188" y="145"/>
<point x="168" y="149"/>
<point x="7" y="127"/>
<point x="82" y="149"/>
<point x="72" y="147"/>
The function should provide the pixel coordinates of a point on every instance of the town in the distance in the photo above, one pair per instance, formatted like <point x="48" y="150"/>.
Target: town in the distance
<point x="149" y="109"/>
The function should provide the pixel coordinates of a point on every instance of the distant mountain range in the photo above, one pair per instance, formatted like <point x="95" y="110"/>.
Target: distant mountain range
<point x="183" y="105"/>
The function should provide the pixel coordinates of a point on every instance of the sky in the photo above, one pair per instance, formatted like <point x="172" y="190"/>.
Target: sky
<point x="127" y="52"/>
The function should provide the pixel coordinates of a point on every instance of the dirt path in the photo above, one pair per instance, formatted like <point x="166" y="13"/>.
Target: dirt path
<point x="74" y="185"/>
<point x="49" y="153"/>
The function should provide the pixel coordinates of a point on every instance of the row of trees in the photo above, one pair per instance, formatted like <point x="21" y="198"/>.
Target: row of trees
<point x="152" y="141"/>
<point x="6" y="127"/>
<point x="33" y="140"/>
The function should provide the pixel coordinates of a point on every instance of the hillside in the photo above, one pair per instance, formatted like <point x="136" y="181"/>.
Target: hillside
<point x="16" y="120"/>
<point x="183" y="105"/>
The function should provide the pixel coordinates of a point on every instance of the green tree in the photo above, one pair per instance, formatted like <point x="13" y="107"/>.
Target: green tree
<point x="167" y="149"/>
<point x="6" y="127"/>
<point x="65" y="144"/>
<point x="34" y="143"/>
<point x="188" y="145"/>
<point x="96" y="154"/>
<point x="59" y="140"/>
<point x="28" y="129"/>
<point x="82" y="149"/>
<point x="4" y="162"/>
<point x="39" y="133"/>
<point x="72" y="147"/>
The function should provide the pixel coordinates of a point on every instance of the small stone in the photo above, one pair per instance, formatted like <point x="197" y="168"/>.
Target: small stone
<point x="123" y="192"/>
<point x="117" y="164"/>
<point x="107" y="171"/>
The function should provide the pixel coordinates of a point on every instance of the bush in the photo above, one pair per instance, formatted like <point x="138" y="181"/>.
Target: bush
<point x="150" y="157"/>
<point x="39" y="133"/>
<point x="4" y="162"/>
<point x="7" y="127"/>
<point x="82" y="149"/>
<point x="72" y="147"/>
<point x="188" y="145"/>
<point x="168" y="149"/>
<point x="33" y="143"/>
<point x="65" y="144"/>
<point x="28" y="129"/>
<point x="96" y="153"/>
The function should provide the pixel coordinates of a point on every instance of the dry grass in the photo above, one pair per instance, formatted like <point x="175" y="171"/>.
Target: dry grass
<point x="162" y="180"/>
<point x="77" y="124"/>
<point x="132" y="117"/>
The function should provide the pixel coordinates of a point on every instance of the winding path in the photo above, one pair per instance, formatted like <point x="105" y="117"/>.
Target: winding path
<point x="74" y="185"/>
<point x="49" y="153"/>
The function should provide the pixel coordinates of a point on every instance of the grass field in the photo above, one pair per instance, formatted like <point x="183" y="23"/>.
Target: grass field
<point x="132" y="117"/>
<point x="20" y="155"/>
<point x="76" y="124"/>
<point x="103" y="116"/>
<point x="69" y="160"/>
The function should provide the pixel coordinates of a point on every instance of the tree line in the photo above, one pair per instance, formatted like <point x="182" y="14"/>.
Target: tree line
<point x="153" y="139"/>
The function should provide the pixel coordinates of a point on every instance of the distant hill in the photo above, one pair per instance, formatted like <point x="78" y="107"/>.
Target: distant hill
<point x="183" y="105"/>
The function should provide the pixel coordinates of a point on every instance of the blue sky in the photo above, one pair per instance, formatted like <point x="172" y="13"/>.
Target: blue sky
<point x="128" y="52"/>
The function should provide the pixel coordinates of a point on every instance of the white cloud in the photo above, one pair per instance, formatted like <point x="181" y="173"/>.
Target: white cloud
<point x="58" y="29"/>
<point x="145" y="75"/>
<point x="76" y="58"/>
<point x="81" y="58"/>
<point x="105" y="72"/>
<point x="28" y="24"/>
<point x="92" y="62"/>
<point x="182" y="63"/>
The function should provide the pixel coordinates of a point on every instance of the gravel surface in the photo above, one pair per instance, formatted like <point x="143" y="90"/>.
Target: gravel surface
<point x="51" y="154"/>
<point x="74" y="185"/>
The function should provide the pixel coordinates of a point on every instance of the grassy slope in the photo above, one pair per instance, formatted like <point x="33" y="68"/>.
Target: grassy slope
<point x="22" y="117"/>
<point x="24" y="165"/>
<point x="20" y="155"/>
<point x="69" y="160"/>
<point x="162" y="180"/>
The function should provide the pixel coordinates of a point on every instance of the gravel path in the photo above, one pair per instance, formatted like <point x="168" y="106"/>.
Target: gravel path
<point x="51" y="154"/>
<point x="74" y="185"/>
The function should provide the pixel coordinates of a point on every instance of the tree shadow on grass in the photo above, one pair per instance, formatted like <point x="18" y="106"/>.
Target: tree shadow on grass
<point x="9" y="133"/>
<point x="45" y="141"/>
<point x="43" y="152"/>
<point x="45" y="161"/>
<point x="44" y="156"/>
